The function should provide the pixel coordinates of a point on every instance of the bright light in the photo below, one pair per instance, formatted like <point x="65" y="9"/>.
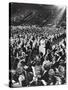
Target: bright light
<point x="61" y="10"/>
<point x="60" y="7"/>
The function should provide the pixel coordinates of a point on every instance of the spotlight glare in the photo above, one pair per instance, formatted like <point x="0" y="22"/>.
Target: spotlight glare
<point x="61" y="7"/>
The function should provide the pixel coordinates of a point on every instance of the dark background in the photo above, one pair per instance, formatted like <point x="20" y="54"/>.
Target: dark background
<point x="33" y="14"/>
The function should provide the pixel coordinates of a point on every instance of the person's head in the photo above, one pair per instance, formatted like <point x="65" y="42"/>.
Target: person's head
<point x="38" y="63"/>
<point x="61" y="69"/>
<point x="21" y="78"/>
<point x="19" y="70"/>
<point x="51" y="72"/>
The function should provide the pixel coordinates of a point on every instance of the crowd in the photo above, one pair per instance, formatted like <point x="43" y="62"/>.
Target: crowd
<point x="37" y="60"/>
